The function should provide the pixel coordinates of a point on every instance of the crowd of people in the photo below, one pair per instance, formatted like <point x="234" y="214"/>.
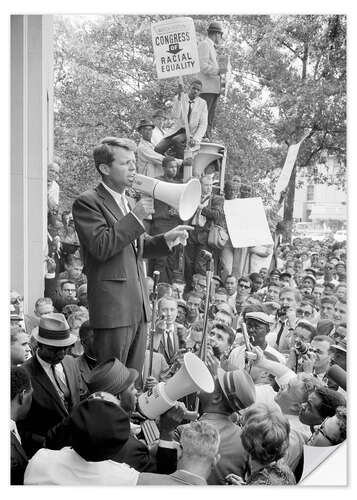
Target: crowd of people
<point x="248" y="431"/>
<point x="269" y="322"/>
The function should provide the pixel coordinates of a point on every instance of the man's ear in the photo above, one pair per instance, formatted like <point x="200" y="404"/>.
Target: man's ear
<point x="217" y="458"/>
<point x="20" y="397"/>
<point x="103" y="168"/>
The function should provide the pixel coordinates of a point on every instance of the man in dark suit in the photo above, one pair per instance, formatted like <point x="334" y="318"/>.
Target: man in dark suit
<point x="55" y="380"/>
<point x="209" y="211"/>
<point x="21" y="397"/>
<point x="111" y="232"/>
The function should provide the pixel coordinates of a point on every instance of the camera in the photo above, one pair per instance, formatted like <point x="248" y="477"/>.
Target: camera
<point x="282" y="311"/>
<point x="303" y="348"/>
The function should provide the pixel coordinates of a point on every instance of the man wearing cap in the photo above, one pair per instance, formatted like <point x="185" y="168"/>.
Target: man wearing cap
<point x="210" y="70"/>
<point x="111" y="232"/>
<point x="149" y="160"/>
<point x="258" y="326"/>
<point x="233" y="392"/>
<point x="55" y="379"/>
<point x="196" y="109"/>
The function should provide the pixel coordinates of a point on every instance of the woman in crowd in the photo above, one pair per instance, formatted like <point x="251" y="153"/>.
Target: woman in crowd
<point x="265" y="437"/>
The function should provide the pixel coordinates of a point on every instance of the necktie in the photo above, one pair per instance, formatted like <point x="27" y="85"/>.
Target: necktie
<point x="189" y="111"/>
<point x="60" y="384"/>
<point x="170" y="346"/>
<point x="123" y="205"/>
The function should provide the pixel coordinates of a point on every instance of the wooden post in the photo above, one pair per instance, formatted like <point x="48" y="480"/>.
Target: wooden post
<point x="187" y="169"/>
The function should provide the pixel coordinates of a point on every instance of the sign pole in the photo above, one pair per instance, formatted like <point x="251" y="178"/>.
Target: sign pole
<point x="187" y="169"/>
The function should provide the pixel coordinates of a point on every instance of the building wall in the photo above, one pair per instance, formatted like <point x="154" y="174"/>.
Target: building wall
<point x="323" y="200"/>
<point x="30" y="151"/>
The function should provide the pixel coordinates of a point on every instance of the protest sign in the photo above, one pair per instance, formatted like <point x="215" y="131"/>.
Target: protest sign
<point x="247" y="223"/>
<point x="287" y="169"/>
<point x="175" y="47"/>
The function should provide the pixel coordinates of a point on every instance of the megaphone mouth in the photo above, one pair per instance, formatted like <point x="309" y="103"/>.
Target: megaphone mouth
<point x="190" y="199"/>
<point x="199" y="372"/>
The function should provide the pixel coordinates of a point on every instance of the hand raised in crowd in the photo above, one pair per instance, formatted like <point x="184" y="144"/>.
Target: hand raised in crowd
<point x="187" y="162"/>
<point x="308" y="361"/>
<point x="171" y="419"/>
<point x="177" y="235"/>
<point x="143" y="208"/>
<point x="211" y="361"/>
<point x="233" y="479"/>
<point x="51" y="265"/>
<point x="150" y="383"/>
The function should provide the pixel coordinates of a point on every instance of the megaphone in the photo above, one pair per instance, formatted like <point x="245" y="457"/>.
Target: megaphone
<point x="208" y="152"/>
<point x="185" y="198"/>
<point x="192" y="376"/>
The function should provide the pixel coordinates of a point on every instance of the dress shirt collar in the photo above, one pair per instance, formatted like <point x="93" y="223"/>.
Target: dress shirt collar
<point x="118" y="197"/>
<point x="13" y="429"/>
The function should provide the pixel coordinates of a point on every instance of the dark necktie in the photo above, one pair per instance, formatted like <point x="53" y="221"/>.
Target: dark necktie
<point x="189" y="111"/>
<point x="60" y="384"/>
<point x="170" y="346"/>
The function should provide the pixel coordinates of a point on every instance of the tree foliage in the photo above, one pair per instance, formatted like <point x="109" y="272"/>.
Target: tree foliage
<point x="288" y="78"/>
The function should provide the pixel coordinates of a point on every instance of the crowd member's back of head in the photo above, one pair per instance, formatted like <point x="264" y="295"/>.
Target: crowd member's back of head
<point x="265" y="434"/>
<point x="200" y="443"/>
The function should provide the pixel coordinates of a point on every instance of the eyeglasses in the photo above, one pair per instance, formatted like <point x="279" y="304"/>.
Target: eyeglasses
<point x="306" y="314"/>
<point x="322" y="431"/>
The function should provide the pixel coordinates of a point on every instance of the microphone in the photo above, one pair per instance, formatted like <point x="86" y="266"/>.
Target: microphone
<point x="337" y="375"/>
<point x="205" y="254"/>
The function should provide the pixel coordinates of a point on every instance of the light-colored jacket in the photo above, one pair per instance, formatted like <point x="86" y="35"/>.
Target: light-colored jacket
<point x="209" y="69"/>
<point x="198" y="117"/>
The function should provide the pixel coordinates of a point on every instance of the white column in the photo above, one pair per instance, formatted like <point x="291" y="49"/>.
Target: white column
<point x="31" y="149"/>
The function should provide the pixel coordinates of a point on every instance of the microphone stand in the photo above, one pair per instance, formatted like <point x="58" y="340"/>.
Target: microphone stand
<point x="156" y="276"/>
<point x="203" y="346"/>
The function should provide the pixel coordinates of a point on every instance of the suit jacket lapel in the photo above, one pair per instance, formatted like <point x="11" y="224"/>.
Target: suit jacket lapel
<point x="45" y="382"/>
<point x="71" y="379"/>
<point x="109" y="202"/>
<point x="15" y="442"/>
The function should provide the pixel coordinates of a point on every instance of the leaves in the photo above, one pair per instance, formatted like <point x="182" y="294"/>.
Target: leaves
<point x="289" y="76"/>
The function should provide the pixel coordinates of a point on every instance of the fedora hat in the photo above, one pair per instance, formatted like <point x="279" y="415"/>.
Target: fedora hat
<point x="215" y="27"/>
<point x="100" y="427"/>
<point x="145" y="123"/>
<point x="238" y="388"/>
<point x="111" y="376"/>
<point x="54" y="331"/>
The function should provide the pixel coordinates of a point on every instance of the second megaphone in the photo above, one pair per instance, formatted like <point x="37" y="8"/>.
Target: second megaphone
<point x="185" y="198"/>
<point x="192" y="376"/>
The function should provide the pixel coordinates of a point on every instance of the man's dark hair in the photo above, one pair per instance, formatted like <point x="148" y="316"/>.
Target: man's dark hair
<point x="20" y="381"/>
<point x="253" y="277"/>
<point x="167" y="160"/>
<point x="198" y="295"/>
<point x="198" y="82"/>
<point x="309" y="327"/>
<point x="331" y="286"/>
<point x="103" y="152"/>
<point x="245" y="279"/>
<point x="328" y="299"/>
<point x="65" y="282"/>
<point x="226" y="329"/>
<point x="85" y="330"/>
<point x="330" y="400"/>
